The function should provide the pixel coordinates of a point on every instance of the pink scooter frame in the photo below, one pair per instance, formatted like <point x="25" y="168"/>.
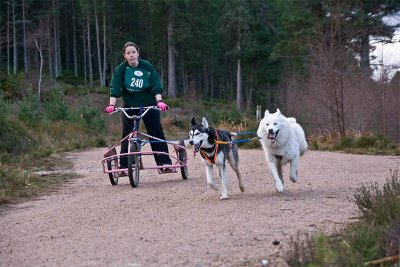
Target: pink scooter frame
<point x="135" y="163"/>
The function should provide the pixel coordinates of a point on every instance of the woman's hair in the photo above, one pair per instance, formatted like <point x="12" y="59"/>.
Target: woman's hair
<point x="130" y="44"/>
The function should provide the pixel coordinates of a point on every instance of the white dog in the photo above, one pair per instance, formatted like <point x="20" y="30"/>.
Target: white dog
<point x="283" y="141"/>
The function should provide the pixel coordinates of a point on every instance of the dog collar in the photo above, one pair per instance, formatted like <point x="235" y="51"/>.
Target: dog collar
<point x="212" y="161"/>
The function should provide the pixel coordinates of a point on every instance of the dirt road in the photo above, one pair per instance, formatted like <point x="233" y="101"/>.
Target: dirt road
<point x="168" y="221"/>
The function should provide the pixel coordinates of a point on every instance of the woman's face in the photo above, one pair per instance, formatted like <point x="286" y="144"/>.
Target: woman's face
<point x="132" y="56"/>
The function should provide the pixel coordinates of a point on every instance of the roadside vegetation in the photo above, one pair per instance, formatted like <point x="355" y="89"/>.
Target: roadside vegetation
<point x="371" y="241"/>
<point x="35" y="132"/>
<point x="355" y="142"/>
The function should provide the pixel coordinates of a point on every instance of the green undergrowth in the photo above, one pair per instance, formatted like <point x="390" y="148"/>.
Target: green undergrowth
<point x="33" y="130"/>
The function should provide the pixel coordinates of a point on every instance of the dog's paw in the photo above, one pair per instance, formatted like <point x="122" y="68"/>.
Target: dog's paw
<point x="222" y="197"/>
<point x="295" y="177"/>
<point x="213" y="186"/>
<point x="241" y="188"/>
<point x="279" y="187"/>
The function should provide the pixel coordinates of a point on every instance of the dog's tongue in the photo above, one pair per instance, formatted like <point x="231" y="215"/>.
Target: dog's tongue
<point x="196" y="148"/>
<point x="271" y="137"/>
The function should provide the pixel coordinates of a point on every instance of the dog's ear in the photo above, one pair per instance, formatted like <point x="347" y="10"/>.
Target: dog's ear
<point x="204" y="122"/>
<point x="266" y="113"/>
<point x="278" y="111"/>
<point x="193" y="122"/>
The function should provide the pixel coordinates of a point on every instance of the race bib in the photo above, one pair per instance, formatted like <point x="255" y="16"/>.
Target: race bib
<point x="136" y="80"/>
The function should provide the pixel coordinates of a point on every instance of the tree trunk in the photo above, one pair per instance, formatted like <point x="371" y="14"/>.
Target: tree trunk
<point x="84" y="53"/>
<point x="49" y="50"/>
<point x="56" y="70"/>
<point x="74" y="40"/>
<point x="250" y="93"/>
<point x="239" y="81"/>
<point x="211" y="75"/>
<point x="171" y="54"/>
<point x="364" y="56"/>
<point x="104" y="44"/>
<point x="40" y="69"/>
<point x="184" y="77"/>
<point x="203" y="79"/>
<point x="8" y="40"/>
<point x="58" y="45"/>
<point x="96" y="20"/>
<point x="1" y="54"/>
<point x="239" y="86"/>
<point x="26" y="68"/>
<point x="67" y="42"/>
<point x="89" y="52"/>
<point x="342" y="126"/>
<point x="15" y="51"/>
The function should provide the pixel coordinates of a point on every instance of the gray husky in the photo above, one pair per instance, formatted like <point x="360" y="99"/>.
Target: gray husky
<point x="215" y="147"/>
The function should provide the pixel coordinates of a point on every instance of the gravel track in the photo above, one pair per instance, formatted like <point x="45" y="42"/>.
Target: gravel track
<point x="168" y="221"/>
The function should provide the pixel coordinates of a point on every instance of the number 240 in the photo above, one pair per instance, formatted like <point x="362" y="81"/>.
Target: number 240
<point x="137" y="83"/>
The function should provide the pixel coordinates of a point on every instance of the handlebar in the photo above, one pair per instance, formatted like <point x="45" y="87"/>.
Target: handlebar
<point x="146" y="109"/>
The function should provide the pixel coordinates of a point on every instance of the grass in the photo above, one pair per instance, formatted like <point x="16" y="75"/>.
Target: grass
<point x="35" y="133"/>
<point x="354" y="142"/>
<point x="19" y="182"/>
<point x="375" y="236"/>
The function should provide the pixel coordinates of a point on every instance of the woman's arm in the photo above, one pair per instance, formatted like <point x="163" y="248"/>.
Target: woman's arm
<point x="158" y="97"/>
<point x="113" y="100"/>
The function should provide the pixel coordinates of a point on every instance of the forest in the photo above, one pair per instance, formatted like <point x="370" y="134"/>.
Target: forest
<point x="311" y="58"/>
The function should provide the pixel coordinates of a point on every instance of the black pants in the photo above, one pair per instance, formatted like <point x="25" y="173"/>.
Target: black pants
<point x="152" y="121"/>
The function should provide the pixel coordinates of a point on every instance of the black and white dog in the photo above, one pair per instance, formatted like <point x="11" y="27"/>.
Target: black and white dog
<point x="215" y="147"/>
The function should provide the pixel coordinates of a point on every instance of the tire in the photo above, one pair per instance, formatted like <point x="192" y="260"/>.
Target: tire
<point x="134" y="165"/>
<point x="112" y="164"/>
<point x="182" y="155"/>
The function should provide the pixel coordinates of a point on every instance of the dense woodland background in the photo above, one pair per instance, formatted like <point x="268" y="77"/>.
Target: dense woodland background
<point x="311" y="58"/>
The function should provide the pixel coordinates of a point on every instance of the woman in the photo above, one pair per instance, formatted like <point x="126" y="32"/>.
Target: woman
<point x="137" y="82"/>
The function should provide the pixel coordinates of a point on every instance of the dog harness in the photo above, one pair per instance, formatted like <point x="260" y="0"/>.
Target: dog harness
<point x="212" y="161"/>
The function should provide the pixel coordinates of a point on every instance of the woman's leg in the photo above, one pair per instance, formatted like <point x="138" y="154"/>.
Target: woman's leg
<point x="152" y="121"/>
<point x="127" y="127"/>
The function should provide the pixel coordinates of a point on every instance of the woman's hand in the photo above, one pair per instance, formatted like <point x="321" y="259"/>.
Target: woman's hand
<point x="109" y="109"/>
<point x="161" y="105"/>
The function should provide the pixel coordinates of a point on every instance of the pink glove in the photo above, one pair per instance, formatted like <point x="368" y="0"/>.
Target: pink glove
<point x="161" y="105"/>
<point x="109" y="109"/>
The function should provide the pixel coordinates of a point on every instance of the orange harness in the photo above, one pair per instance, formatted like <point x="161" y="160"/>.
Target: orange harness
<point x="215" y="151"/>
